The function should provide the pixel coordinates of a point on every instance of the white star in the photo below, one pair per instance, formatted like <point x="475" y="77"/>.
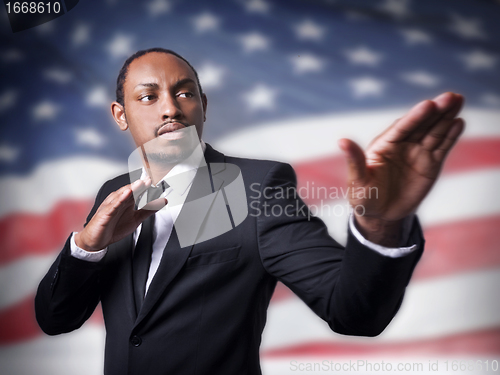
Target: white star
<point x="81" y="35"/>
<point x="12" y="55"/>
<point x="261" y="97"/>
<point x="421" y="78"/>
<point x="120" y="46"/>
<point x="89" y="137"/>
<point x="45" y="110"/>
<point x="367" y="86"/>
<point x="491" y="99"/>
<point x="254" y="41"/>
<point x="363" y="56"/>
<point x="467" y="28"/>
<point x="206" y="22"/>
<point x="58" y="75"/>
<point x="8" y="153"/>
<point x="397" y="8"/>
<point x="308" y="30"/>
<point x="157" y="7"/>
<point x="8" y="100"/>
<point x="477" y="60"/>
<point x="257" y="6"/>
<point x="210" y="75"/>
<point x="415" y="36"/>
<point x="306" y="62"/>
<point x="98" y="97"/>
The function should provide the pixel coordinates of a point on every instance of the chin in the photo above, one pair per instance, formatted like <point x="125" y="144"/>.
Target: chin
<point x="172" y="154"/>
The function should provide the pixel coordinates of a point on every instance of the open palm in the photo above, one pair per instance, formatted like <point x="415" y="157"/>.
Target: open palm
<point x="397" y="170"/>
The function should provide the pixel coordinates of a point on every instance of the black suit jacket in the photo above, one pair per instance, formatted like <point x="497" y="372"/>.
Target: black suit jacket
<point x="206" y="307"/>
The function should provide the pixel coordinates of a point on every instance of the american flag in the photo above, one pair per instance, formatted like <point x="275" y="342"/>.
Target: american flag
<point x="284" y="80"/>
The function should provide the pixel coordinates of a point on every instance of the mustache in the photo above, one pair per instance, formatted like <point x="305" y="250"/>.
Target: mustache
<point x="185" y="124"/>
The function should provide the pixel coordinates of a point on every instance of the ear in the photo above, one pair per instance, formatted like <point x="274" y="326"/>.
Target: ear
<point x="118" y="112"/>
<point x="204" y="102"/>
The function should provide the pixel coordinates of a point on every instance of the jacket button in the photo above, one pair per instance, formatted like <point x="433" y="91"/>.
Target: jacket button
<point x="136" y="341"/>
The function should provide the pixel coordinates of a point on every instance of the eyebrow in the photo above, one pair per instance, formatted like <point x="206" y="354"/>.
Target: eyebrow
<point x="178" y="84"/>
<point x="152" y="85"/>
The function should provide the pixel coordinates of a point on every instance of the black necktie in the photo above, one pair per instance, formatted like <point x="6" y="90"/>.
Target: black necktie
<point x="143" y="249"/>
<point x="142" y="260"/>
<point x="154" y="192"/>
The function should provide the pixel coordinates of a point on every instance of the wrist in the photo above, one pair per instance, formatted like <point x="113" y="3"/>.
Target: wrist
<point x="82" y="244"/>
<point x="379" y="231"/>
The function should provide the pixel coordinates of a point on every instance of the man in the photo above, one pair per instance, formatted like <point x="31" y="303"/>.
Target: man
<point x="205" y="305"/>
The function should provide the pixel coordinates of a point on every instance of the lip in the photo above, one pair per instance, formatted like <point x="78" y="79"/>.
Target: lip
<point x="170" y="127"/>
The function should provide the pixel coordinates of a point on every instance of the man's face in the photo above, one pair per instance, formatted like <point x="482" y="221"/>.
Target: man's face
<point x="161" y="97"/>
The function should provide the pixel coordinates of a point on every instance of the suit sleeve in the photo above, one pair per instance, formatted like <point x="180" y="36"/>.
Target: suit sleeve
<point x="356" y="290"/>
<point x="70" y="291"/>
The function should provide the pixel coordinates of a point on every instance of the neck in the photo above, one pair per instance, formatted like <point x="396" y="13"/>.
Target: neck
<point x="157" y="172"/>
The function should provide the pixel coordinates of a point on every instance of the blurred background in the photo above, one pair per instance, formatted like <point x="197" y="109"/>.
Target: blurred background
<point x="284" y="80"/>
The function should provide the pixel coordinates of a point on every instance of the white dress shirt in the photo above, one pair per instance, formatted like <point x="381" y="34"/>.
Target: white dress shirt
<point x="176" y="195"/>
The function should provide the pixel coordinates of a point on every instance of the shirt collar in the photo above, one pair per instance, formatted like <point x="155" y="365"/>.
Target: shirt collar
<point x="188" y="167"/>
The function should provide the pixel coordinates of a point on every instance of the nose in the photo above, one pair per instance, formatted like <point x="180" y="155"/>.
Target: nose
<point x="170" y="108"/>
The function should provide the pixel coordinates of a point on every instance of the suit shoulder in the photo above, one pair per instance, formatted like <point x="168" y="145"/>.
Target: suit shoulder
<point x="255" y="163"/>
<point x="259" y="169"/>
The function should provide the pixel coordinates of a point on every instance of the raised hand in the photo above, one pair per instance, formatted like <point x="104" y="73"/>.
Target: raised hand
<point x="401" y="165"/>
<point x="116" y="217"/>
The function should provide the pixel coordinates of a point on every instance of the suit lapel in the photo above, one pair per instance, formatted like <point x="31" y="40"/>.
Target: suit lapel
<point x="174" y="256"/>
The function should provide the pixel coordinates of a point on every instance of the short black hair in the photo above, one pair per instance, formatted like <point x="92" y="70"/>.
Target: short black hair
<point x="120" y="81"/>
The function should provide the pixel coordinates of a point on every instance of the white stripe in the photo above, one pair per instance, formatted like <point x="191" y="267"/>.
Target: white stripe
<point x="298" y="140"/>
<point x="462" y="196"/>
<point x="73" y="178"/>
<point x="19" y="279"/>
<point x="78" y="353"/>
<point x="431" y="309"/>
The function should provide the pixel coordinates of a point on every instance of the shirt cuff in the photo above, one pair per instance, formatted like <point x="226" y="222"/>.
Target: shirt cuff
<point x="392" y="252"/>
<point x="89" y="256"/>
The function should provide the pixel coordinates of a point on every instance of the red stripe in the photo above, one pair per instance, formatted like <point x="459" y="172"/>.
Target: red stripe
<point x="18" y="323"/>
<point x="467" y="245"/>
<point x="480" y="343"/>
<point x="451" y="248"/>
<point x="27" y="234"/>
<point x="468" y="155"/>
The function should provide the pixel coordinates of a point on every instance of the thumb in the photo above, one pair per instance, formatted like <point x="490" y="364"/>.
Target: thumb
<point x="151" y="208"/>
<point x="356" y="161"/>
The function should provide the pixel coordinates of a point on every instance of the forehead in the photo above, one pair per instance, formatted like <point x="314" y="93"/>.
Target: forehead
<point x="157" y="67"/>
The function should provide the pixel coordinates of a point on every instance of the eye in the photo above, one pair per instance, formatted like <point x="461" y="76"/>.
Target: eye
<point x="186" y="94"/>
<point x="146" y="98"/>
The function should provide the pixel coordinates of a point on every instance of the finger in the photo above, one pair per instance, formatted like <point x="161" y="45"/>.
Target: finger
<point x="155" y="205"/>
<point x="139" y="187"/>
<point x="383" y="134"/>
<point x="356" y="161"/>
<point x="437" y="134"/>
<point x="123" y="199"/>
<point x="420" y="115"/>
<point x="142" y="215"/>
<point x="423" y="116"/>
<point x="115" y="194"/>
<point x="448" y="105"/>
<point x="449" y="140"/>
